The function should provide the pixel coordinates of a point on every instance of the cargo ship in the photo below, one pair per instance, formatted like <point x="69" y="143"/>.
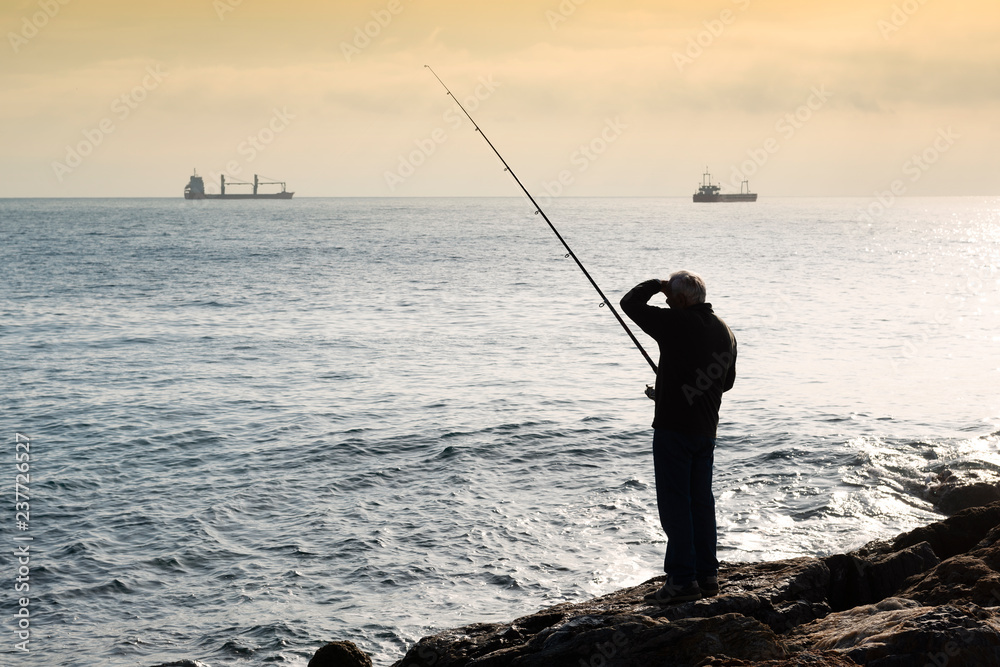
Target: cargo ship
<point x="710" y="193"/>
<point x="195" y="189"/>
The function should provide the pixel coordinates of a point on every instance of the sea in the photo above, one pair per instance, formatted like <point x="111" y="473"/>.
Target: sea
<point x="240" y="430"/>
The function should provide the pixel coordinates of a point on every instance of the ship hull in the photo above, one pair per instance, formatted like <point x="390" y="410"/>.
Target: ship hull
<point x="725" y="198"/>
<point x="275" y="195"/>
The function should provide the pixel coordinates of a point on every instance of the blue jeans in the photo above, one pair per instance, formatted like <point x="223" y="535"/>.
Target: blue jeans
<point x="683" y="469"/>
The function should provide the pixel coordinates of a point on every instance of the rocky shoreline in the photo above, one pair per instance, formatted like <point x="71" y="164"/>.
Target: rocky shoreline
<point x="929" y="597"/>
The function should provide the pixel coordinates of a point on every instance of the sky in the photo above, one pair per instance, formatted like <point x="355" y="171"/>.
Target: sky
<point x="108" y="98"/>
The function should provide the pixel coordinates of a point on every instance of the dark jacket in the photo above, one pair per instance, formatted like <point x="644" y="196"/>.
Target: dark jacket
<point x="697" y="360"/>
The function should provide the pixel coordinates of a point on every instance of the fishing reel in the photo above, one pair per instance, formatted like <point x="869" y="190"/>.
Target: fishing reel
<point x="651" y="392"/>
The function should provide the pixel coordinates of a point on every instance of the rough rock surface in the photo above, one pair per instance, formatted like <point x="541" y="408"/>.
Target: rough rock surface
<point x="952" y="491"/>
<point x="898" y="632"/>
<point x="858" y="580"/>
<point x="803" y="659"/>
<point x="972" y="577"/>
<point x="963" y="497"/>
<point x="634" y="641"/>
<point x="928" y="597"/>
<point x="340" y="654"/>
<point x="954" y="535"/>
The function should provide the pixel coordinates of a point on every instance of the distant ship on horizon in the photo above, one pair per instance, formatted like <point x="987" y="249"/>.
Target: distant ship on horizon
<point x="195" y="189"/>
<point x="711" y="193"/>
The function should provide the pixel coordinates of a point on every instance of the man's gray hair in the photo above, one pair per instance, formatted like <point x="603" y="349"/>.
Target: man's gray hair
<point x="689" y="285"/>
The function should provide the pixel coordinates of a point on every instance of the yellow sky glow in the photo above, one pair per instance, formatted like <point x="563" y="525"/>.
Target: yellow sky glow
<point x="114" y="98"/>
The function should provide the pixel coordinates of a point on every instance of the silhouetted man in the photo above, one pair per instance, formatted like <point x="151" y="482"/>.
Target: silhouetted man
<point x="697" y="364"/>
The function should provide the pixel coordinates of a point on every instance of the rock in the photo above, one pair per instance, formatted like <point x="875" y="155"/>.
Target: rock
<point x="804" y="659"/>
<point x="927" y="597"/>
<point x="780" y="594"/>
<point x="638" y="641"/>
<point x="688" y="641"/>
<point x="954" y="535"/>
<point x="340" y="654"/>
<point x="456" y="647"/>
<point x="959" y="498"/>
<point x="182" y="663"/>
<point x="973" y="577"/>
<point x="855" y="580"/>
<point x="757" y="601"/>
<point x="898" y="633"/>
<point x="793" y="579"/>
<point x="959" y="579"/>
<point x="952" y="491"/>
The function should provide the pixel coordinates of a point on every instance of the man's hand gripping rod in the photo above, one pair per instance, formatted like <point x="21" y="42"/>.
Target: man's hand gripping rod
<point x="539" y="211"/>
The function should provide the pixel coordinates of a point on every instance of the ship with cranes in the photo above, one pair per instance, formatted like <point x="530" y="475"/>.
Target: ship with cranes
<point x="195" y="189"/>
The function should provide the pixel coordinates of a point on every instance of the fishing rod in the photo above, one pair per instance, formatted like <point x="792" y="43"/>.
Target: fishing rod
<point x="539" y="211"/>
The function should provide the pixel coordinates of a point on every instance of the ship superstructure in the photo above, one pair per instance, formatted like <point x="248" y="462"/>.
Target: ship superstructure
<point x="708" y="192"/>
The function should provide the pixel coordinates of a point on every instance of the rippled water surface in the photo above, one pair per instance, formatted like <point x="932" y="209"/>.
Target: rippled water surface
<point x="260" y="426"/>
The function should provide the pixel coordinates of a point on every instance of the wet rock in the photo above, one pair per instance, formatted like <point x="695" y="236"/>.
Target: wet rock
<point x="340" y="654"/>
<point x="899" y="633"/>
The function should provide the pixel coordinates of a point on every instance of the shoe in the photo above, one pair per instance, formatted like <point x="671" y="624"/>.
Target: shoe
<point x="671" y="593"/>
<point x="709" y="586"/>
